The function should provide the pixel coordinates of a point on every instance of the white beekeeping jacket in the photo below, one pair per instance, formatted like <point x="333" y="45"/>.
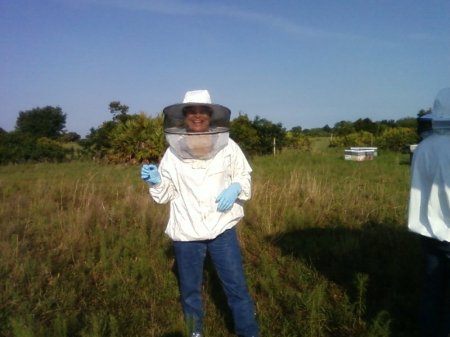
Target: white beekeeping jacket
<point x="429" y="204"/>
<point x="192" y="186"/>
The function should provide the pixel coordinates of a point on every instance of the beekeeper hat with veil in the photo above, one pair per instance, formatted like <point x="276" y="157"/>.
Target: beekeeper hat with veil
<point x="440" y="114"/>
<point x="189" y="142"/>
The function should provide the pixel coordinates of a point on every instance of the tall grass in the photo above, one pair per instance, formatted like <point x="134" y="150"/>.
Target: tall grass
<point x="322" y="190"/>
<point x="326" y="251"/>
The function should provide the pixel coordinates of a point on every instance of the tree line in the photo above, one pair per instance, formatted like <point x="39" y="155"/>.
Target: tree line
<point x="40" y="135"/>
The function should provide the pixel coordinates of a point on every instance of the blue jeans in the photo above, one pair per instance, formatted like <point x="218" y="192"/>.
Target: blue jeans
<point x="435" y="304"/>
<point x="226" y="257"/>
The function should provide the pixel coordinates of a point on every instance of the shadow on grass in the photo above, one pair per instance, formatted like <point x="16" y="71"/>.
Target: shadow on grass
<point x="389" y="255"/>
<point x="174" y="334"/>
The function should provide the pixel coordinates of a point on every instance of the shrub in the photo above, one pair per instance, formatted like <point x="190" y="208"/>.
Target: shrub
<point x="17" y="147"/>
<point x="362" y="138"/>
<point x="397" y="139"/>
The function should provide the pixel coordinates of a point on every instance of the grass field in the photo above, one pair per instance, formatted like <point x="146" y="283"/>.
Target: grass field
<point x="324" y="240"/>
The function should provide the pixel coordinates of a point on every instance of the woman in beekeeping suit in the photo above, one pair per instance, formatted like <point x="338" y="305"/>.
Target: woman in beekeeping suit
<point x="206" y="178"/>
<point x="429" y="216"/>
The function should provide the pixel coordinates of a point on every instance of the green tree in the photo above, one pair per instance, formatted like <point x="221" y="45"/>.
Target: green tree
<point x="407" y="122"/>
<point x="138" y="139"/>
<point x="343" y="128"/>
<point x="424" y="124"/>
<point x="243" y="133"/>
<point x="361" y="138"/>
<point x="365" y="124"/>
<point x="46" y="122"/>
<point x="269" y="134"/>
<point x="98" y="141"/>
<point x="119" y="111"/>
<point x="49" y="150"/>
<point x="126" y="138"/>
<point x="19" y="147"/>
<point x="67" y="137"/>
<point x="327" y="129"/>
<point x="14" y="147"/>
<point x="397" y="139"/>
<point x="318" y="132"/>
<point x="388" y="123"/>
<point x="423" y="112"/>
<point x="297" y="141"/>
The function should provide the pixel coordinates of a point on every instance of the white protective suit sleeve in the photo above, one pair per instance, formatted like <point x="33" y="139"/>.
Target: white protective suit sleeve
<point x="165" y="191"/>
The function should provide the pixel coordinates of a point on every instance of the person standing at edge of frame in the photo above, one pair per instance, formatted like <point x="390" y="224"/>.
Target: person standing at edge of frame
<point x="429" y="216"/>
<point x="206" y="178"/>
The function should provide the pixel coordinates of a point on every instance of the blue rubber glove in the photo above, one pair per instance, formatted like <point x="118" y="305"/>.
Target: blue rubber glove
<point x="150" y="174"/>
<point x="226" y="199"/>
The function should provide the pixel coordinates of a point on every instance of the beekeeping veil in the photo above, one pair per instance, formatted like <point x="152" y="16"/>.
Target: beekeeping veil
<point x="440" y="114"/>
<point x="196" y="145"/>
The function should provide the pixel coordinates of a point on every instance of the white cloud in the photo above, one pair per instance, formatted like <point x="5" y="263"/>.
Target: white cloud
<point x="191" y="8"/>
<point x="180" y="7"/>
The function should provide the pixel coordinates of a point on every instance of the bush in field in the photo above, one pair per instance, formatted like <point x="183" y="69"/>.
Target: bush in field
<point x="70" y="137"/>
<point x="366" y="124"/>
<point x="130" y="138"/>
<point x="137" y="139"/>
<point x="362" y="138"/>
<point x="49" y="150"/>
<point x="98" y="142"/>
<point x="394" y="139"/>
<point x="269" y="133"/>
<point x="257" y="137"/>
<point x="17" y="147"/>
<point x="243" y="133"/>
<point x="297" y="141"/>
<point x="38" y="136"/>
<point x="407" y="122"/>
<point x="344" y="128"/>
<point x="397" y="139"/>
<point x="13" y="146"/>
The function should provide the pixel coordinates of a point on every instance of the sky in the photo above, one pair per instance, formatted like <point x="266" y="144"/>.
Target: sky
<point x="307" y="63"/>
